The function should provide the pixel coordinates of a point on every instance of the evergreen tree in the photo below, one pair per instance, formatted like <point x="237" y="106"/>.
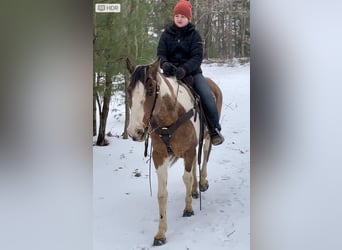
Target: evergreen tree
<point x="116" y="37"/>
<point x="135" y="32"/>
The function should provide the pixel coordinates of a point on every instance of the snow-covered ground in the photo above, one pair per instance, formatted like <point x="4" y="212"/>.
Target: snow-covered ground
<point x="126" y="215"/>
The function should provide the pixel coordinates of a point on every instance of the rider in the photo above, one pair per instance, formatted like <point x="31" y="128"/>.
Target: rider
<point x="180" y="51"/>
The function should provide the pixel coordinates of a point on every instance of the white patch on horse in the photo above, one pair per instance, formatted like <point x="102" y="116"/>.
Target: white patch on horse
<point x="162" y="195"/>
<point x="137" y="114"/>
<point x="188" y="179"/>
<point x="164" y="90"/>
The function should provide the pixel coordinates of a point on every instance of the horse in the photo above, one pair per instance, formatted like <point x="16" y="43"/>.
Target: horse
<point x="165" y="109"/>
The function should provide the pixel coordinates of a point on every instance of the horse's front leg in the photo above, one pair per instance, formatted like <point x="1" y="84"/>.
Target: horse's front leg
<point x="189" y="161"/>
<point x="161" y="166"/>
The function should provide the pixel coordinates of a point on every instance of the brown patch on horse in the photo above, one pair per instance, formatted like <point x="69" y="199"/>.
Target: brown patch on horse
<point x="183" y="139"/>
<point x="164" y="108"/>
<point x="153" y="69"/>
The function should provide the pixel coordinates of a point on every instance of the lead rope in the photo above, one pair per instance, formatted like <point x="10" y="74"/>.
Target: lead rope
<point x="176" y="95"/>
<point x="146" y="141"/>
<point x="199" y="169"/>
<point x="200" y="146"/>
<point x="149" y="171"/>
<point x="150" y="160"/>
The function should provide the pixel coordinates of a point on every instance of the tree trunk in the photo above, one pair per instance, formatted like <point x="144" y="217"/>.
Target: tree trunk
<point x="127" y="116"/>
<point x="94" y="106"/>
<point x="208" y="32"/>
<point x="230" y="35"/>
<point x="243" y="28"/>
<point x="101" y="140"/>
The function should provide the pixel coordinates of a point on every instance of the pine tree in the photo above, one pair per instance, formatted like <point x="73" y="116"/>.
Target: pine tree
<point x="116" y="37"/>
<point x="135" y="32"/>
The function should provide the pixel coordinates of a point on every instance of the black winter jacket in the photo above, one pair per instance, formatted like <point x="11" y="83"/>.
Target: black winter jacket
<point x="183" y="47"/>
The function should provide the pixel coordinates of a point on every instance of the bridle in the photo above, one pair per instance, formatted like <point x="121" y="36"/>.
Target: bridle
<point x="151" y="125"/>
<point x="149" y="93"/>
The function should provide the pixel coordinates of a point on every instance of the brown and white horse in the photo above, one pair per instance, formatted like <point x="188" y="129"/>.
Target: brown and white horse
<point x="165" y="109"/>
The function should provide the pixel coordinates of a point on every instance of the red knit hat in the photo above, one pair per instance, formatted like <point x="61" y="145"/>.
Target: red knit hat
<point x="184" y="8"/>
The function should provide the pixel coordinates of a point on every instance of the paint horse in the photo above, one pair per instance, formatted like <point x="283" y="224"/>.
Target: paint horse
<point x="165" y="109"/>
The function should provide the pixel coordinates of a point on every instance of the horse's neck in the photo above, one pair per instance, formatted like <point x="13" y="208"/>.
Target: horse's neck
<point x="168" y="87"/>
<point x="173" y="100"/>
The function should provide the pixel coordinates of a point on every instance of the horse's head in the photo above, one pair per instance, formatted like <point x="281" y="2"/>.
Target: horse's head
<point x="142" y="94"/>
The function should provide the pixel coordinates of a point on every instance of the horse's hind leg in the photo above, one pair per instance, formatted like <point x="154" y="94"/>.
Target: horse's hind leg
<point x="159" y="238"/>
<point x="189" y="160"/>
<point x="204" y="185"/>
<point x="194" y="191"/>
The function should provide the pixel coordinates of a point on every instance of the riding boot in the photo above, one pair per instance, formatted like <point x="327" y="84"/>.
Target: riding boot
<point x="216" y="137"/>
<point x="209" y="107"/>
<point x="214" y="132"/>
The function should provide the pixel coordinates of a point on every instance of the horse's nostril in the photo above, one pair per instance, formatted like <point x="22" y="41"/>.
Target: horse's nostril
<point x="140" y="132"/>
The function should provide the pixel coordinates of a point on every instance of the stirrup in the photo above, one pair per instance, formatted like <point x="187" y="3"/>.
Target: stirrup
<point x="216" y="137"/>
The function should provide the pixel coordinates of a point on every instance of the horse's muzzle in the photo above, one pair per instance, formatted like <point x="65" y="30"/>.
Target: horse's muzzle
<point x="139" y="135"/>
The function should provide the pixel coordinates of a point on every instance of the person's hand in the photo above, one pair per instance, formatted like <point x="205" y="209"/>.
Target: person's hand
<point x="180" y="73"/>
<point x="168" y="68"/>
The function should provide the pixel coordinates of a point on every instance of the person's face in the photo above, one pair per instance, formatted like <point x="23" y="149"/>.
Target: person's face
<point x="180" y="20"/>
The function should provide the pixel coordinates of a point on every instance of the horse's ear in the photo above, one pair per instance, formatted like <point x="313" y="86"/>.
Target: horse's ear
<point x="155" y="67"/>
<point x="129" y="65"/>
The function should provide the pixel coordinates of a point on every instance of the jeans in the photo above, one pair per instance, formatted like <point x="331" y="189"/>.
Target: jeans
<point x="201" y="86"/>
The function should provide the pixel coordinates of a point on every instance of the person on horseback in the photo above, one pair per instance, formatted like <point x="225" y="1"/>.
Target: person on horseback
<point x="180" y="52"/>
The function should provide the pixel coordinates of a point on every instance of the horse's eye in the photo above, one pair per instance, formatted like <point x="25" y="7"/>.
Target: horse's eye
<point x="149" y="87"/>
<point x="149" y="91"/>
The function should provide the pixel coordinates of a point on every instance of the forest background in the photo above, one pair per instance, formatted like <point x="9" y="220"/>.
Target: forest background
<point x="134" y="32"/>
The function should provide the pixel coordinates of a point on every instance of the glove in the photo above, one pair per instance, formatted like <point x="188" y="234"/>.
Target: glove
<point x="180" y="73"/>
<point x="168" y="69"/>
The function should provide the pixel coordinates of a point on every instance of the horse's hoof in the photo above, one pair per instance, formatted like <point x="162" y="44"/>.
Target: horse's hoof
<point x="203" y="188"/>
<point x="159" y="242"/>
<point x="188" y="213"/>
<point x="195" y="195"/>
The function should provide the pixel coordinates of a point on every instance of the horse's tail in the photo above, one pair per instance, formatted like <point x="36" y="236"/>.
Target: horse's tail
<point x="217" y="93"/>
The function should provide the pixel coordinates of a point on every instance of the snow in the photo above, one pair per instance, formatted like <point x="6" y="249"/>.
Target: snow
<point x="126" y="215"/>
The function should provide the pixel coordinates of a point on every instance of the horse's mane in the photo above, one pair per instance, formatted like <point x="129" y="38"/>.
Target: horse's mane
<point x="139" y="74"/>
